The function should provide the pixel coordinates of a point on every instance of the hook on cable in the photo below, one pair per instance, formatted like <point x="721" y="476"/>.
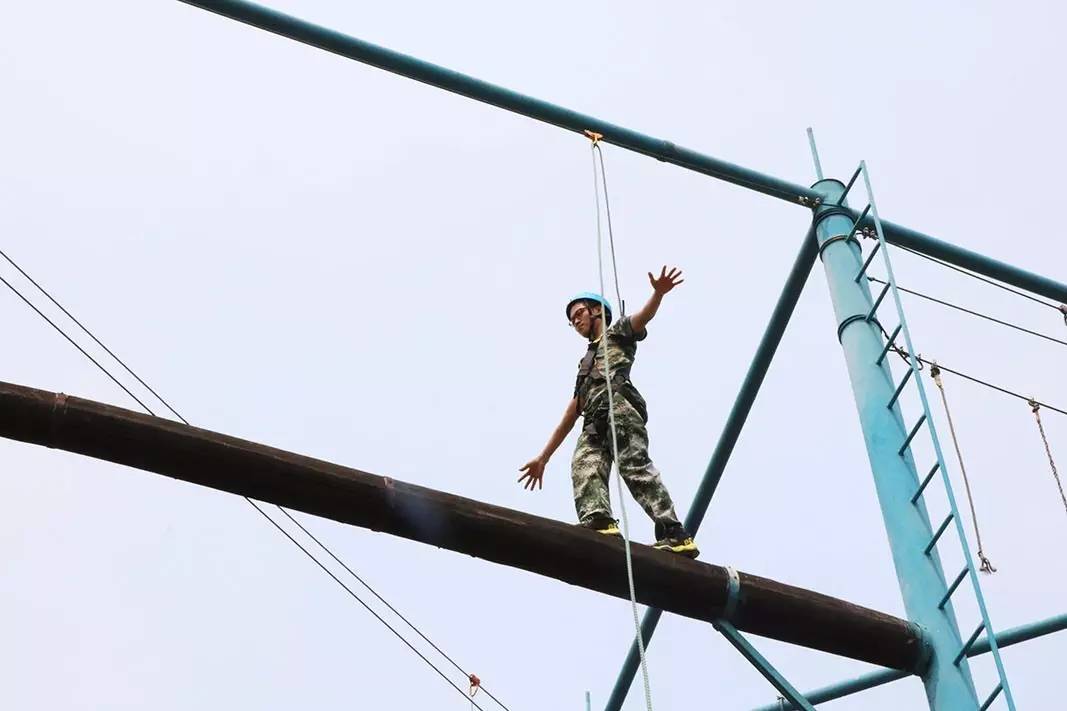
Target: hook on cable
<point x="597" y="137"/>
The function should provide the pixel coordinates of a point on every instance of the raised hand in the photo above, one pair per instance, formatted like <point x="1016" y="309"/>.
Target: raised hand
<point x="534" y="473"/>
<point x="666" y="280"/>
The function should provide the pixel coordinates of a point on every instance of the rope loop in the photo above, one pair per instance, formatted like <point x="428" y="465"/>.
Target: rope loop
<point x="1035" y="407"/>
<point x="935" y="373"/>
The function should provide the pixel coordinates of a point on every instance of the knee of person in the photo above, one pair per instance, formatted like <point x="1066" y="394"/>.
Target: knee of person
<point x="637" y="466"/>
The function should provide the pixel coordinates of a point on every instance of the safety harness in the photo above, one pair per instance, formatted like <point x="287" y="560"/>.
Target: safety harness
<point x="589" y="376"/>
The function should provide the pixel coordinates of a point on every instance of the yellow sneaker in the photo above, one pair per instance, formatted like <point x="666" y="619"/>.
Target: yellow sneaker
<point x="682" y="546"/>
<point x="610" y="529"/>
<point x="606" y="526"/>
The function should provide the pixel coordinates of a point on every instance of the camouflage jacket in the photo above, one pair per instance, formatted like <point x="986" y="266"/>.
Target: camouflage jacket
<point x="591" y="385"/>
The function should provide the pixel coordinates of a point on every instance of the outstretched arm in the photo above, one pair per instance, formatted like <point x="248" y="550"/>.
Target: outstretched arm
<point x="660" y="287"/>
<point x="534" y="469"/>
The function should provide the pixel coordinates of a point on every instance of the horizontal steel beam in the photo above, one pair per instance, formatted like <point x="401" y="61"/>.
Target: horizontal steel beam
<point x="1006" y="638"/>
<point x="356" y="49"/>
<point x="347" y="46"/>
<point x="967" y="259"/>
<point x="565" y="552"/>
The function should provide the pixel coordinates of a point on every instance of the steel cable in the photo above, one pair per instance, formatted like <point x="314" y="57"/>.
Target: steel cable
<point x="249" y="500"/>
<point x="971" y="312"/>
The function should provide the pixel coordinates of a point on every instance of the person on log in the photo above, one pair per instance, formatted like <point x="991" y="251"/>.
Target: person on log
<point x="591" y="465"/>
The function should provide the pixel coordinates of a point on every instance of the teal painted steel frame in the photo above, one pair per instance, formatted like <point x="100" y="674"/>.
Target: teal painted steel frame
<point x="731" y="431"/>
<point x="922" y="583"/>
<point x="352" y="48"/>
<point x="1004" y="639"/>
<point x="347" y="46"/>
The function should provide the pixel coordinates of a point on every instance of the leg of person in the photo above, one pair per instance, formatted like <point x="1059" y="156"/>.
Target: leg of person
<point x="645" y="484"/>
<point x="589" y="475"/>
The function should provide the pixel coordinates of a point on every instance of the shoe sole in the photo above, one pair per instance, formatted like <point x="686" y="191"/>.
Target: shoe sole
<point x="614" y="532"/>
<point x="690" y="552"/>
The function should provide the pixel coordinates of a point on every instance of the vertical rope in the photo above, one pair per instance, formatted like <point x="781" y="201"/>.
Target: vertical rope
<point x="986" y="567"/>
<point x="611" y="421"/>
<point x="611" y="233"/>
<point x="1036" y="409"/>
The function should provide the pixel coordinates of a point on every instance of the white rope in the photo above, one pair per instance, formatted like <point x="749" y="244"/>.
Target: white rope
<point x="611" y="414"/>
<point x="987" y="566"/>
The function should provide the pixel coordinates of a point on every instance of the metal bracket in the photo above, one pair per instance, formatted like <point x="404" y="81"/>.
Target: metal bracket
<point x="733" y="594"/>
<point x="831" y="211"/>
<point x="852" y="319"/>
<point x="839" y="238"/>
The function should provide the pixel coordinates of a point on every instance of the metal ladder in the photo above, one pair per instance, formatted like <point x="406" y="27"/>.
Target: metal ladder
<point x="953" y="517"/>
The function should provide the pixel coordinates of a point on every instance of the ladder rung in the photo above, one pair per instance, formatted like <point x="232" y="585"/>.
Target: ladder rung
<point x="851" y="181"/>
<point x="940" y="530"/>
<point x="992" y="697"/>
<point x="856" y="224"/>
<point x="877" y="302"/>
<point x="870" y="258"/>
<point x="889" y="344"/>
<point x="911" y="435"/>
<point x="967" y="646"/>
<point x="900" y="388"/>
<point x="927" y="480"/>
<point x="952" y="588"/>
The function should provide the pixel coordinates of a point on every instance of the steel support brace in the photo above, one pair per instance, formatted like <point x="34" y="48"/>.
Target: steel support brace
<point x="1004" y="639"/>
<point x="761" y="361"/>
<point x="347" y="46"/>
<point x="922" y="582"/>
<point x="760" y="662"/>
<point x="724" y="626"/>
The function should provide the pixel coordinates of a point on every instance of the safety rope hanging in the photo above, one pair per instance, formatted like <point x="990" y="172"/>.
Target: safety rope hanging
<point x="935" y="373"/>
<point x="595" y="138"/>
<point x="1035" y="407"/>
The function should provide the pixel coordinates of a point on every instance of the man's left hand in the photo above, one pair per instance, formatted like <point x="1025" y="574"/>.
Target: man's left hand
<point x="666" y="280"/>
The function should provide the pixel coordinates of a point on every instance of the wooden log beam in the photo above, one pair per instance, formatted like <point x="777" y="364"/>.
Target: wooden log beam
<point x="512" y="538"/>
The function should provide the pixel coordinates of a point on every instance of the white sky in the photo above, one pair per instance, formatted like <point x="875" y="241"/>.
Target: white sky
<point x="313" y="254"/>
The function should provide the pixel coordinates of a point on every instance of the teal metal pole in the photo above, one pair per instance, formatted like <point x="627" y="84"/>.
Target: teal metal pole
<point x="735" y="422"/>
<point x="1004" y="639"/>
<point x="762" y="665"/>
<point x="949" y="686"/>
<point x="356" y="49"/>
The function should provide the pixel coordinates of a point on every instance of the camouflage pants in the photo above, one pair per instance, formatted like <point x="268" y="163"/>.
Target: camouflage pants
<point x="591" y="468"/>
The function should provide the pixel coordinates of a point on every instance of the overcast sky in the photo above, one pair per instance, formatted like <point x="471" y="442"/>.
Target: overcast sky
<point x="317" y="255"/>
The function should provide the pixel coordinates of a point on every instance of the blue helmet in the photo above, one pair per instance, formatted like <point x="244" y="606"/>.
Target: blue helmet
<point x="589" y="296"/>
